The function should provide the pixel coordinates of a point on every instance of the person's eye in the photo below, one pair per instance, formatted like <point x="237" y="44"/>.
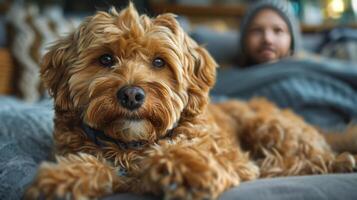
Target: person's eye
<point x="255" y="30"/>
<point x="278" y="30"/>
<point x="158" y="62"/>
<point x="106" y="60"/>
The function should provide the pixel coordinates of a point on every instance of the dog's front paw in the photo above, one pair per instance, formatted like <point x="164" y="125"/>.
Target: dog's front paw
<point x="182" y="174"/>
<point x="48" y="185"/>
<point x="41" y="191"/>
<point x="343" y="163"/>
<point x="74" y="177"/>
<point x="53" y="183"/>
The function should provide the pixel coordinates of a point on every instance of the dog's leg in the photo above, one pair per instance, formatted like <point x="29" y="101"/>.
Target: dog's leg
<point x="187" y="172"/>
<point x="282" y="143"/>
<point x="285" y="145"/>
<point x="81" y="176"/>
<point x="343" y="141"/>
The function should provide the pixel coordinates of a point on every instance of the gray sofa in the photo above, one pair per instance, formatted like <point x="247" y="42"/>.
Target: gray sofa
<point x="323" y="92"/>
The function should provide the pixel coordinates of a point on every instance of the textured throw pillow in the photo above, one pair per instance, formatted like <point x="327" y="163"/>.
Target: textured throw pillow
<point x="30" y="33"/>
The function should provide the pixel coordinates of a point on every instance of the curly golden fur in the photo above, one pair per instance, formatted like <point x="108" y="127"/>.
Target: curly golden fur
<point x="193" y="149"/>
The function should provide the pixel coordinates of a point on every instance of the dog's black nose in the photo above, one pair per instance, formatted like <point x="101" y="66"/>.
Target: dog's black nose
<point x="131" y="97"/>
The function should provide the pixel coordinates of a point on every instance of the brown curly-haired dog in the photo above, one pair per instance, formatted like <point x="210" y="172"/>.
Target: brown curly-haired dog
<point x="132" y="114"/>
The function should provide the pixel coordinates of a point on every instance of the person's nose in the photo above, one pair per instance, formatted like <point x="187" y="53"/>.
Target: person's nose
<point x="268" y="37"/>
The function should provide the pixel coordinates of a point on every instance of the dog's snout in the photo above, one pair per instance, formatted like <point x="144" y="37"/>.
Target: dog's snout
<point x="131" y="97"/>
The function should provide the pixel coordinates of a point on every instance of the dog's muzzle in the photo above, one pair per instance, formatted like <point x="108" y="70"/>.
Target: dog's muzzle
<point x="131" y="97"/>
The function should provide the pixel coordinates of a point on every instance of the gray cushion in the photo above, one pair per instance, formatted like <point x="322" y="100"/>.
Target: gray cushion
<point x="222" y="45"/>
<point x="321" y="187"/>
<point x="25" y="141"/>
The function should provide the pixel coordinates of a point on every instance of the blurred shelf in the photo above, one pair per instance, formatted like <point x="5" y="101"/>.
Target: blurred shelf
<point x="325" y="27"/>
<point x="232" y="12"/>
<point x="193" y="10"/>
<point x="4" y="6"/>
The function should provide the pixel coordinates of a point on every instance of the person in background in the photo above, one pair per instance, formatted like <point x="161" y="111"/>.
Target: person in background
<point x="269" y="32"/>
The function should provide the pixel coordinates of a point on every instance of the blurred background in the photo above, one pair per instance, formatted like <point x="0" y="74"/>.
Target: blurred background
<point x="27" y="27"/>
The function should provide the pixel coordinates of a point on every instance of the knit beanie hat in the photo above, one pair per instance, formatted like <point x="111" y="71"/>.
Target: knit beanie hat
<point x="284" y="9"/>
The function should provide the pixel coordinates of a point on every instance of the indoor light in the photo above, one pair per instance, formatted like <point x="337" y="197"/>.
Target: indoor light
<point x="335" y="8"/>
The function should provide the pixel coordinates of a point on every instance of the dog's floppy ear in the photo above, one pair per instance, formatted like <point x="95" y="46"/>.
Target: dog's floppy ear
<point x="54" y="70"/>
<point x="201" y="75"/>
<point x="199" y="66"/>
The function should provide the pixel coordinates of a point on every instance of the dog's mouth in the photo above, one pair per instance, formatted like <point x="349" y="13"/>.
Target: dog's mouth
<point x="127" y="129"/>
<point x="147" y="122"/>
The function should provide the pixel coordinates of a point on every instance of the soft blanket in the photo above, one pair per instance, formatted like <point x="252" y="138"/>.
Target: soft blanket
<point x="324" y="92"/>
<point x="25" y="140"/>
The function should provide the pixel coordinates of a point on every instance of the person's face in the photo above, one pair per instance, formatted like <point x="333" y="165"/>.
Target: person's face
<point x="268" y="37"/>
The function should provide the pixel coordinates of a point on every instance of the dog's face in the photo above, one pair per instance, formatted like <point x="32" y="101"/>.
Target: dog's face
<point x="131" y="76"/>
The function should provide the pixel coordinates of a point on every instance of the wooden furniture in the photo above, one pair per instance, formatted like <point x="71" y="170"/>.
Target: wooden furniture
<point x="6" y="72"/>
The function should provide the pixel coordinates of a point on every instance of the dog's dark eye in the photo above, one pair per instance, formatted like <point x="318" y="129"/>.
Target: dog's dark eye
<point x="158" y="62"/>
<point x="106" y="60"/>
